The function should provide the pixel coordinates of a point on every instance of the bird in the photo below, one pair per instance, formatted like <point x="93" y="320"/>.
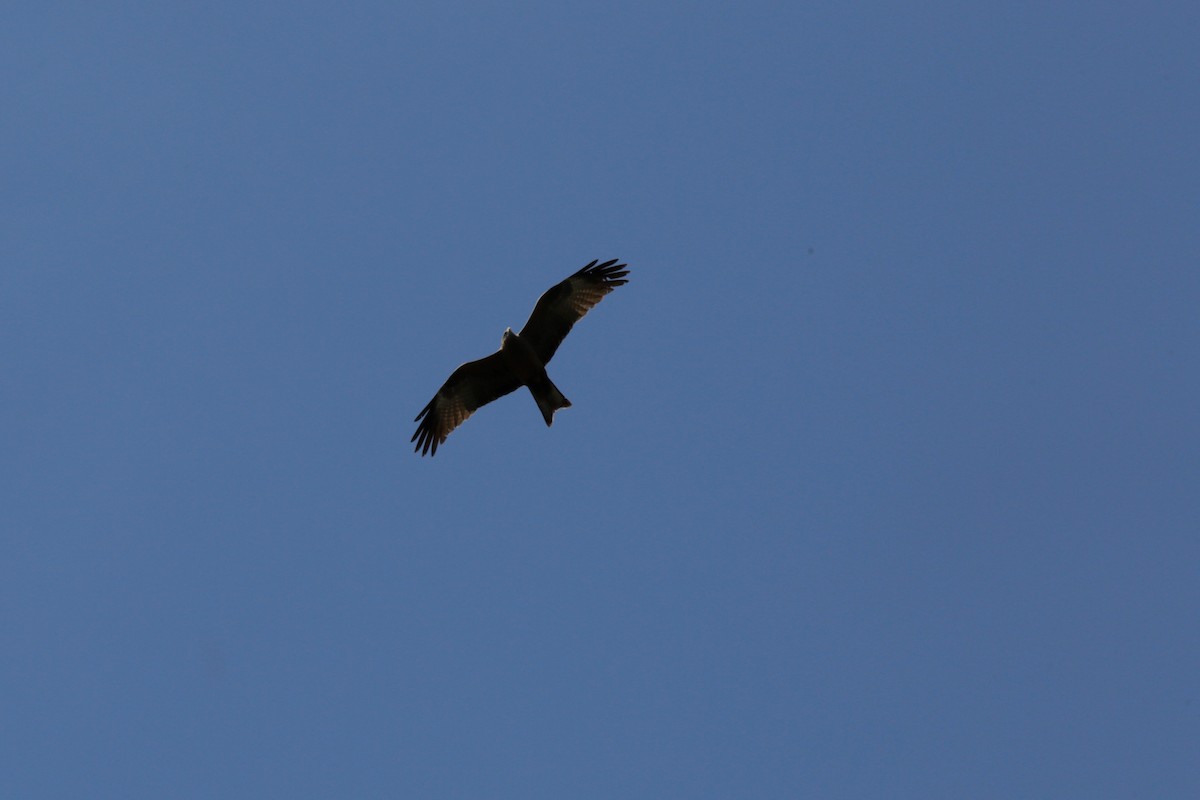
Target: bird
<point x="521" y="359"/>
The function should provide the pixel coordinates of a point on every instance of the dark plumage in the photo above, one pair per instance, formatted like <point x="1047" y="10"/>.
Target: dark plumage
<point x="521" y="359"/>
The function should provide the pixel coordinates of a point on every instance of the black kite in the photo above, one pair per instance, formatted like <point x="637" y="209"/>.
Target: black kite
<point x="521" y="359"/>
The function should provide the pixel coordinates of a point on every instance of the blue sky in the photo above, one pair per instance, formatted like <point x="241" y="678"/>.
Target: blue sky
<point x="881" y="474"/>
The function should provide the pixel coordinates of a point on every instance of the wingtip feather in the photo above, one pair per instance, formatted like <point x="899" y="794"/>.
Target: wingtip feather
<point x="611" y="272"/>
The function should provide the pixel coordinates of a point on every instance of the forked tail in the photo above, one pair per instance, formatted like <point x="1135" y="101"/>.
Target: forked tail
<point x="549" y="399"/>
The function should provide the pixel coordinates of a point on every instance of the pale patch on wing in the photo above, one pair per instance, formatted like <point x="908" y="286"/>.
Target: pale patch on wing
<point x="445" y="412"/>
<point x="451" y="412"/>
<point x="584" y="298"/>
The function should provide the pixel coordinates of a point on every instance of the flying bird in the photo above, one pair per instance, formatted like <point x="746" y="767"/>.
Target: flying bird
<point x="521" y="359"/>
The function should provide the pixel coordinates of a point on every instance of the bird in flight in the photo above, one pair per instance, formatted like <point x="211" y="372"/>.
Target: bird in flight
<point x="521" y="359"/>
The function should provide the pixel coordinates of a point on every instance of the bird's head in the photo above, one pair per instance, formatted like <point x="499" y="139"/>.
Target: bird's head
<point x="508" y="334"/>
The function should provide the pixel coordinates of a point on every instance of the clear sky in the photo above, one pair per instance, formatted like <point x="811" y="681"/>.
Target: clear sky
<point x="881" y="476"/>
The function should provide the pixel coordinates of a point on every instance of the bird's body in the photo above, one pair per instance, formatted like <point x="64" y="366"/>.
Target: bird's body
<point x="521" y="359"/>
<point x="524" y="363"/>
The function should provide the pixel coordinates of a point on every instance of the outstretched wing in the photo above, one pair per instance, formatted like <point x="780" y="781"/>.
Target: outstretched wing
<point x="566" y="303"/>
<point x="472" y="385"/>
